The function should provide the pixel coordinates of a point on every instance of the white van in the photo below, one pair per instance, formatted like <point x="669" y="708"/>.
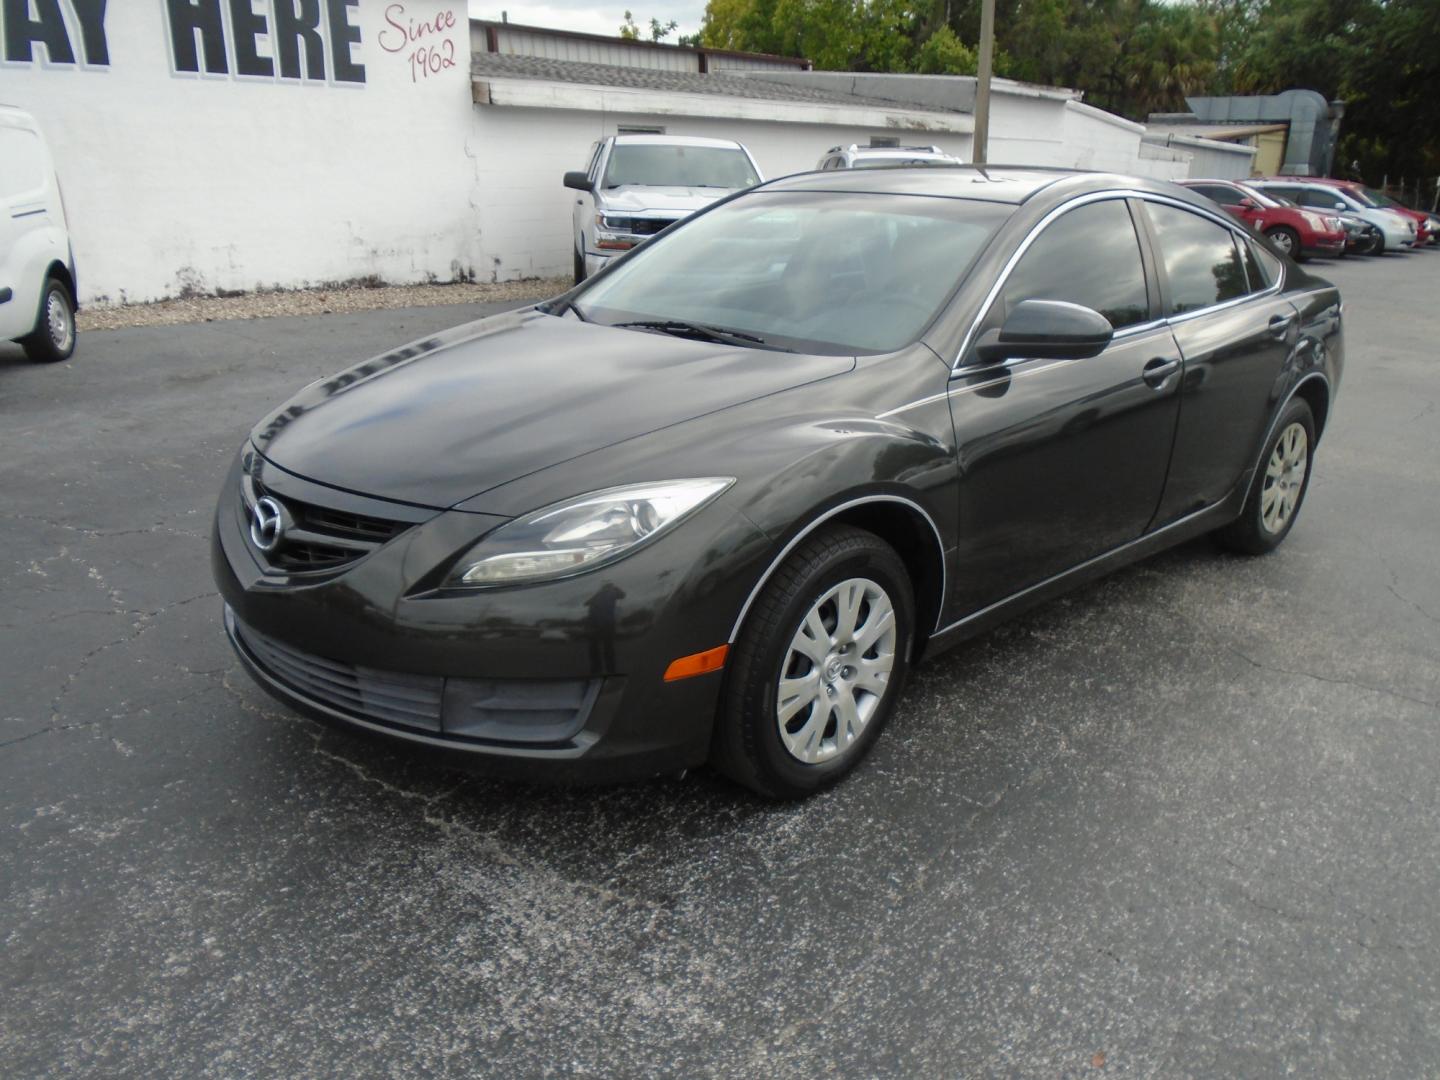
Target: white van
<point x="37" y="267"/>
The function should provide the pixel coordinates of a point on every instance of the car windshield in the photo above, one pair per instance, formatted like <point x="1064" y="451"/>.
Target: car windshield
<point x="1361" y="196"/>
<point x="1264" y="198"/>
<point x="676" y="165"/>
<point x="825" y="272"/>
<point x="1379" y="198"/>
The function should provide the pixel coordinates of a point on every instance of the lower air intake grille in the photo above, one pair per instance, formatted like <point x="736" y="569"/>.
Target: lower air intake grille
<point x="388" y="696"/>
<point x="464" y="710"/>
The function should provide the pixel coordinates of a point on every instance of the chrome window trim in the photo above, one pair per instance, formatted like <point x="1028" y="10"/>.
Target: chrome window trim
<point x="815" y="524"/>
<point x="1218" y="218"/>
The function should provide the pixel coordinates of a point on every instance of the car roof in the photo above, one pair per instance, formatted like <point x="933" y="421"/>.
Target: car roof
<point x="1328" y="181"/>
<point x="990" y="183"/>
<point x="675" y="140"/>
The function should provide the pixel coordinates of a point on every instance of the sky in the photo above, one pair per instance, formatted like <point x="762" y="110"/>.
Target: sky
<point x="593" y="18"/>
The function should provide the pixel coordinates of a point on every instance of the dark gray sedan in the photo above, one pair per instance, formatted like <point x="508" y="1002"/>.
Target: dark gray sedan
<point x="713" y="504"/>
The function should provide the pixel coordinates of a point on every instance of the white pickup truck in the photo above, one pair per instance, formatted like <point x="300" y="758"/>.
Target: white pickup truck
<point x="636" y="185"/>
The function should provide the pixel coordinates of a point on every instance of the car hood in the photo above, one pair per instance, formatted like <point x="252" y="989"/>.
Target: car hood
<point x="640" y="198"/>
<point x="447" y="418"/>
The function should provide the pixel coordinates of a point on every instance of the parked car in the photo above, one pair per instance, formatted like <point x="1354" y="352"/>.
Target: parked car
<point x="1377" y="199"/>
<point x="1424" y="231"/>
<point x="713" y="503"/>
<point x="876" y="157"/>
<point x="37" y="265"/>
<point x="1313" y="193"/>
<point x="1295" y="231"/>
<point x="637" y="185"/>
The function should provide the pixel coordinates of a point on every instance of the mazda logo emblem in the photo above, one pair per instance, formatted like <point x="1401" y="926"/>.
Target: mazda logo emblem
<point x="267" y="523"/>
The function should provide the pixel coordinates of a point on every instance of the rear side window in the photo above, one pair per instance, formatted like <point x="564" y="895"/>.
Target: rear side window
<point x="21" y="171"/>
<point x="1320" y="200"/>
<point x="1223" y="195"/>
<point x="1201" y="263"/>
<point x="1089" y="256"/>
<point x="1260" y="262"/>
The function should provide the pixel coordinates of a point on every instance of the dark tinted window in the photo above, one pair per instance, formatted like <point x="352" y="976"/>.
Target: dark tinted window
<point x="1201" y="262"/>
<point x="1225" y="196"/>
<point x="1319" y="200"/>
<point x="1089" y="256"/>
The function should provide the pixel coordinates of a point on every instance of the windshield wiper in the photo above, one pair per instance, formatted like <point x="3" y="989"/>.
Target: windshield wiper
<point x="681" y="328"/>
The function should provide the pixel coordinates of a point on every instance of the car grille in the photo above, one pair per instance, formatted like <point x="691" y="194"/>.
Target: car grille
<point x="388" y="696"/>
<point x="637" y="226"/>
<point x="320" y="538"/>
<point x="461" y="710"/>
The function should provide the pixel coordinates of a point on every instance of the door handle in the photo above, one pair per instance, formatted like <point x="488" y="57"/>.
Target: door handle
<point x="1158" y="370"/>
<point x="1280" y="324"/>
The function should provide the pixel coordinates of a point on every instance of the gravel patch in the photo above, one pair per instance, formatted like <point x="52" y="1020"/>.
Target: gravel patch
<point x="324" y="301"/>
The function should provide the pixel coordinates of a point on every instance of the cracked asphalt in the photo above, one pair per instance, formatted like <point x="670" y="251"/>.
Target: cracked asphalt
<point x="1182" y="823"/>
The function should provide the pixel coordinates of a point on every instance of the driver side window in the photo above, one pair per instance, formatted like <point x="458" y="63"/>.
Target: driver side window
<point x="1088" y="256"/>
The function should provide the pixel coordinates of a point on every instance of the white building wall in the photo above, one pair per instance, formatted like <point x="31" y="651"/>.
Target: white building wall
<point x="524" y="217"/>
<point x="218" y="181"/>
<point x="1095" y="139"/>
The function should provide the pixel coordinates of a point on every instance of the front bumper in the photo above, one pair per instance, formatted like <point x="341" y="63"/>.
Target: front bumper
<point x="1327" y="244"/>
<point x="373" y="649"/>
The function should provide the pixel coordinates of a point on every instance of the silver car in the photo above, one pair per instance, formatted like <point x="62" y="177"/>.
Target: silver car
<point x="636" y="185"/>
<point x="875" y="157"/>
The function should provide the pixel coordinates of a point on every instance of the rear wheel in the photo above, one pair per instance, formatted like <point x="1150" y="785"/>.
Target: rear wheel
<point x="818" y="666"/>
<point x="1276" y="494"/>
<point x="53" y="338"/>
<point x="1286" y="239"/>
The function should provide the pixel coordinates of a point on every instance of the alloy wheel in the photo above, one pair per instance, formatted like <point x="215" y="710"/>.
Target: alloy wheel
<point x="836" y="671"/>
<point x="1284" y="478"/>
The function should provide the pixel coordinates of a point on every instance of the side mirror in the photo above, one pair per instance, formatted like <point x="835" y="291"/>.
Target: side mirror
<point x="1247" y="203"/>
<point x="1339" y="206"/>
<point x="1047" y="330"/>
<point x="578" y="180"/>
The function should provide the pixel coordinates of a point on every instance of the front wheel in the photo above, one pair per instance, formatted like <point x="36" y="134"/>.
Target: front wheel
<point x="1287" y="240"/>
<point x="1276" y="494"/>
<point x="818" y="666"/>
<point x="579" y="268"/>
<point x="53" y="338"/>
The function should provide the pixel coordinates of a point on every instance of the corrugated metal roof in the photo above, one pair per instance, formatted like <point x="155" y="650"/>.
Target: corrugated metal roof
<point x="498" y="65"/>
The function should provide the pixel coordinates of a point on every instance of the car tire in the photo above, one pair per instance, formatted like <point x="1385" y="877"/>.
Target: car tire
<point x="789" y="747"/>
<point x="1278" y="489"/>
<point x="1287" y="240"/>
<point x="579" y="268"/>
<point x="1377" y="246"/>
<point x="54" y="336"/>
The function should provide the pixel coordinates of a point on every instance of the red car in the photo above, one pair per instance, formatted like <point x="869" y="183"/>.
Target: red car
<point x="1371" y="197"/>
<point x="1294" y="231"/>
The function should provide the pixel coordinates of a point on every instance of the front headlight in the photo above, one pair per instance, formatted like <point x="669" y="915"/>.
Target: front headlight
<point x="583" y="533"/>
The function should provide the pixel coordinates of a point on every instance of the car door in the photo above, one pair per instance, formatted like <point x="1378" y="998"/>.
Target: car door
<point x="22" y="211"/>
<point x="583" y="212"/>
<point x="1234" y="328"/>
<point x="1061" y="461"/>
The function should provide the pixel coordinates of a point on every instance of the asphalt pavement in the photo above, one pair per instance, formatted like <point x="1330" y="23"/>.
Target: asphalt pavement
<point x="1180" y="823"/>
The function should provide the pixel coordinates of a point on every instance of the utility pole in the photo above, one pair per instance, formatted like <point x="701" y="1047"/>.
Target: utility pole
<point x="982" y="83"/>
